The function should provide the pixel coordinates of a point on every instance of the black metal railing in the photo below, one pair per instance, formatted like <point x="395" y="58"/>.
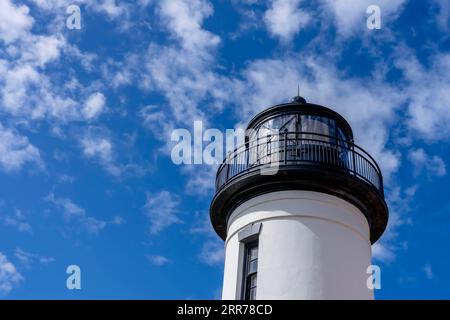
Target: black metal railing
<point x="300" y="148"/>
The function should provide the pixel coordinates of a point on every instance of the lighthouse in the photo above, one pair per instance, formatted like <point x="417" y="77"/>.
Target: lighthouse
<point x="298" y="207"/>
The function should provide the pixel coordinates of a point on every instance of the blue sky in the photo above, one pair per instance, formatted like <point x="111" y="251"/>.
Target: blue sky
<point x="86" y="117"/>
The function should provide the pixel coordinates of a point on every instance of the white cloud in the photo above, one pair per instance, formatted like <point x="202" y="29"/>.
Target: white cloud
<point x="145" y="3"/>
<point x="201" y="179"/>
<point x="351" y="16"/>
<point x="29" y="90"/>
<point x="443" y="17"/>
<point x="17" y="220"/>
<point x="187" y="81"/>
<point x="72" y="212"/>
<point x="50" y="4"/>
<point x="212" y="252"/>
<point x="29" y="93"/>
<point x="111" y="8"/>
<point x="184" y="71"/>
<point x="23" y="257"/>
<point x="118" y="220"/>
<point x="399" y="203"/>
<point x="27" y="259"/>
<point x="69" y="208"/>
<point x="18" y="81"/>
<point x="120" y="73"/>
<point x="284" y="19"/>
<point x="21" y="226"/>
<point x="203" y="225"/>
<point x="44" y="49"/>
<point x="15" y="21"/>
<point x="427" y="90"/>
<point x="65" y="178"/>
<point x="99" y="147"/>
<point x="94" y="105"/>
<point x="184" y="19"/>
<point x="383" y="252"/>
<point x="9" y="276"/>
<point x="434" y="165"/>
<point x="162" y="211"/>
<point x="16" y="151"/>
<point x="158" y="122"/>
<point x="157" y="260"/>
<point x="428" y="270"/>
<point x="45" y="259"/>
<point x="93" y="225"/>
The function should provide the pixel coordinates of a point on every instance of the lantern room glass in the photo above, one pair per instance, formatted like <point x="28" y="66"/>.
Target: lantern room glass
<point x="310" y="129"/>
<point x="296" y="123"/>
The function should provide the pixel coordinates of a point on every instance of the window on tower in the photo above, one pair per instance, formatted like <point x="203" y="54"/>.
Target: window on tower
<point x="250" y="270"/>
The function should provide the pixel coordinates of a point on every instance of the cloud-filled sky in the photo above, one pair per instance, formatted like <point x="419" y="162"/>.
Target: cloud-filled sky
<point x="86" y="116"/>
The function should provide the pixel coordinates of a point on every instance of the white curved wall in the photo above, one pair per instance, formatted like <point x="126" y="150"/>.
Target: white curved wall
<point x="311" y="246"/>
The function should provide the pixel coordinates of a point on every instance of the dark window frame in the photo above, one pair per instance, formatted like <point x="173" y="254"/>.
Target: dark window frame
<point x="248" y="275"/>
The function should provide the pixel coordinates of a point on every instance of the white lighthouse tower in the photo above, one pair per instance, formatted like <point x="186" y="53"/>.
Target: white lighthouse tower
<point x="303" y="230"/>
